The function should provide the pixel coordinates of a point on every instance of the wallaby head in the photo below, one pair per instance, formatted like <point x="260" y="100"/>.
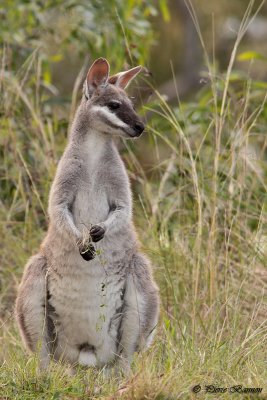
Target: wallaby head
<point x="106" y="103"/>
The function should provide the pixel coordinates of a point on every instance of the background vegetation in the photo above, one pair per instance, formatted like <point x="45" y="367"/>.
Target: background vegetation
<point x="198" y="175"/>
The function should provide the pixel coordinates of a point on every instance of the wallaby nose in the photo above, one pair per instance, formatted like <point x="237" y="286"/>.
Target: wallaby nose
<point x="139" y="127"/>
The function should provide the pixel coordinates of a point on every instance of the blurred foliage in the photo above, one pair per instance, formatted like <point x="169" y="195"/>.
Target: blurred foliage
<point x="114" y="28"/>
<point x="219" y="21"/>
<point x="36" y="35"/>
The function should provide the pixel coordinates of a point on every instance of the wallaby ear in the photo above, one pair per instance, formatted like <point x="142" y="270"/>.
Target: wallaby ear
<point x="97" y="75"/>
<point x="122" y="79"/>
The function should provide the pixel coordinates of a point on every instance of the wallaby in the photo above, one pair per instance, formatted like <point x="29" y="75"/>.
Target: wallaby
<point x="77" y="304"/>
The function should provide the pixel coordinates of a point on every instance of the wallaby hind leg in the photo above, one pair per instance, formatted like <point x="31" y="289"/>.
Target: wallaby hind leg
<point x="141" y="310"/>
<point x="30" y="307"/>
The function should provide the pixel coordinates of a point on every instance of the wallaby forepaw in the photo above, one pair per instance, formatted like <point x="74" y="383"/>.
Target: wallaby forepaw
<point x="97" y="233"/>
<point x="88" y="252"/>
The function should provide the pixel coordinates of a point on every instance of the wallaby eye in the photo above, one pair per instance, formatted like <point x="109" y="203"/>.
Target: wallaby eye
<point x="114" y="105"/>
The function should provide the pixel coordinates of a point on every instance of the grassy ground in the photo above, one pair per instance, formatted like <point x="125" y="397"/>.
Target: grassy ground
<point x="200" y="211"/>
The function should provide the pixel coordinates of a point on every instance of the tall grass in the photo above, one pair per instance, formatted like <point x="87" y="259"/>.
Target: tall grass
<point x="204" y="202"/>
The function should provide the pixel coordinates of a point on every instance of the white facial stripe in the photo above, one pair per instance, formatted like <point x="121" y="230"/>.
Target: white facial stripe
<point x="110" y="116"/>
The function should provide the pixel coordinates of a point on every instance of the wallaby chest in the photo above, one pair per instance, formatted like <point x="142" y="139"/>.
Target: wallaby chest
<point x="91" y="203"/>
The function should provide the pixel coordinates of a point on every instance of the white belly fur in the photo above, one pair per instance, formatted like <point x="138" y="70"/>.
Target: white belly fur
<point x="86" y="305"/>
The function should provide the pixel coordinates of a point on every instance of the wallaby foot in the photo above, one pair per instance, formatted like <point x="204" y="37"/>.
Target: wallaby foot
<point x="44" y="359"/>
<point x="116" y="371"/>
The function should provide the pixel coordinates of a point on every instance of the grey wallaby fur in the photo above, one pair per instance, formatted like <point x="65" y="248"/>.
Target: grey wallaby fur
<point x="76" y="304"/>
